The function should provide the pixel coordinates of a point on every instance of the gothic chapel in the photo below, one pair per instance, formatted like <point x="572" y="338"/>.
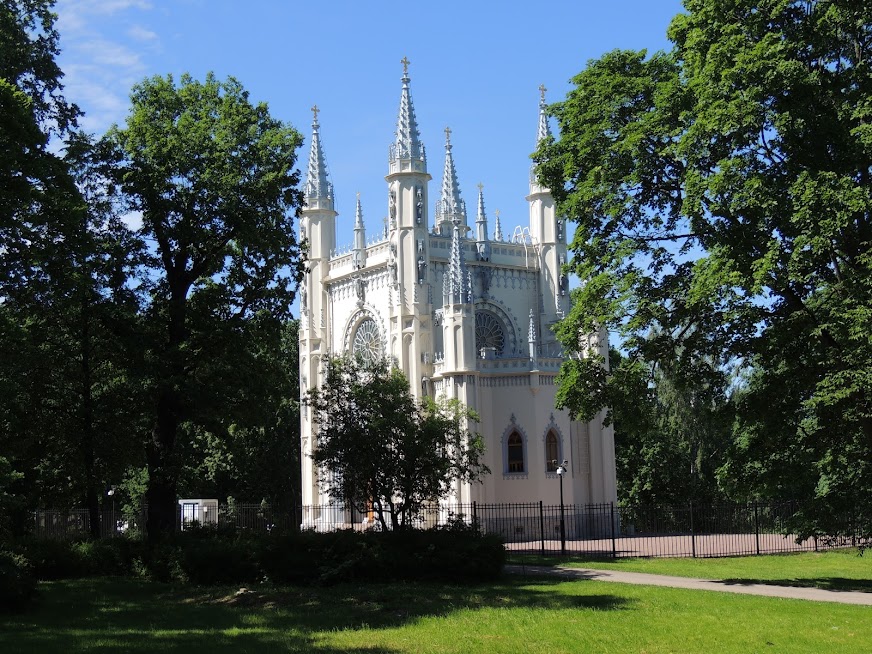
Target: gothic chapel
<point x="464" y="310"/>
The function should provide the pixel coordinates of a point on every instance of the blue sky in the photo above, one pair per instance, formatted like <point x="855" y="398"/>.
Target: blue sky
<point x="475" y="66"/>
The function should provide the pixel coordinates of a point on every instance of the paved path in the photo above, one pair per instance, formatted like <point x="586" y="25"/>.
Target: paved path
<point x="645" y="579"/>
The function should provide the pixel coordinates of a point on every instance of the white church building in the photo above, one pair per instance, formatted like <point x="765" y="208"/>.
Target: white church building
<point x="463" y="308"/>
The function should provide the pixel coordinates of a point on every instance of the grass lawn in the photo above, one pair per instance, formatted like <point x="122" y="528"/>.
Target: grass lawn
<point x="515" y="615"/>
<point x="832" y="570"/>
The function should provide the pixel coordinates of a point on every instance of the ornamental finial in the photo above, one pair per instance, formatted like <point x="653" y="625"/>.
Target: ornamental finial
<point x="542" y="90"/>
<point x="315" y="112"/>
<point x="405" y="61"/>
<point x="480" y="187"/>
<point x="447" y="136"/>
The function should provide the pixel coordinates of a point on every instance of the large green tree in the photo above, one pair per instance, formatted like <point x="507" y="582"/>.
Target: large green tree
<point x="722" y="198"/>
<point x="213" y="177"/>
<point x="378" y="448"/>
<point x="63" y="271"/>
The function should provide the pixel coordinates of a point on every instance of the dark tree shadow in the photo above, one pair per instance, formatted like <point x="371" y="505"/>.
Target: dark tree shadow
<point x="122" y="615"/>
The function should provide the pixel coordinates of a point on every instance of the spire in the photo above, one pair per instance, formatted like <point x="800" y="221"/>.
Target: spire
<point x="456" y="288"/>
<point x="359" y="237"/>
<point x="531" y="338"/>
<point x="482" y="245"/>
<point x="544" y="131"/>
<point x="408" y="140"/>
<point x="318" y="188"/>
<point x="498" y="229"/>
<point x="449" y="206"/>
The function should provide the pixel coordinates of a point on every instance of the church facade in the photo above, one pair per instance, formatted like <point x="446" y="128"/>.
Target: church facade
<point x="465" y="311"/>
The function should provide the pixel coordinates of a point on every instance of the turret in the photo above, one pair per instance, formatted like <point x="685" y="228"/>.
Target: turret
<point x="409" y="325"/>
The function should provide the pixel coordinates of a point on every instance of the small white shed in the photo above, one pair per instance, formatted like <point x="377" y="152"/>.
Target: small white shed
<point x="202" y="511"/>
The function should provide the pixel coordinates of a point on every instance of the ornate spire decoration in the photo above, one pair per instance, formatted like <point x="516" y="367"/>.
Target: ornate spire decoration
<point x="482" y="242"/>
<point x="456" y="282"/>
<point x="408" y="140"/>
<point x="498" y="229"/>
<point x="544" y="131"/>
<point x="449" y="206"/>
<point x="531" y="338"/>
<point x="318" y="187"/>
<point x="359" y="237"/>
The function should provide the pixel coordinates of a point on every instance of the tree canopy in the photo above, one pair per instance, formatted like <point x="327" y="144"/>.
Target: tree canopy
<point x="378" y="448"/>
<point x="722" y="198"/>
<point x="213" y="177"/>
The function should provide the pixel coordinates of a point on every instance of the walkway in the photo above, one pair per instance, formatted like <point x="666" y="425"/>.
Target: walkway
<point x="645" y="579"/>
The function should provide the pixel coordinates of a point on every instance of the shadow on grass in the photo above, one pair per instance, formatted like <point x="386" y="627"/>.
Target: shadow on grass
<point x="825" y="583"/>
<point x="112" y="615"/>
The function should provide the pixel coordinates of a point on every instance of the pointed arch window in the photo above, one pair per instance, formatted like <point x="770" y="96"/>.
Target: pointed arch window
<point x="515" y="453"/>
<point x="552" y="451"/>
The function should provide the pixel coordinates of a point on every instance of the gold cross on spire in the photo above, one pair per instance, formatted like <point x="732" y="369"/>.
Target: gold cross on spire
<point x="542" y="90"/>
<point x="315" y="111"/>
<point x="447" y="135"/>
<point x="405" y="61"/>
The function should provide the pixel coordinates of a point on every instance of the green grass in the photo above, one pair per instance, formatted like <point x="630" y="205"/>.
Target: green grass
<point x="515" y="615"/>
<point x="833" y="570"/>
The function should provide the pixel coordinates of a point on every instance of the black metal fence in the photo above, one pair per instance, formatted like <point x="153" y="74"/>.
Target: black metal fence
<point x="592" y="530"/>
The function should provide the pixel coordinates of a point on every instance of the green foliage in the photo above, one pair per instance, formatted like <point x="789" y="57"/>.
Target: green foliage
<point x="722" y="198"/>
<point x="381" y="449"/>
<point x="17" y="583"/>
<point x="212" y="175"/>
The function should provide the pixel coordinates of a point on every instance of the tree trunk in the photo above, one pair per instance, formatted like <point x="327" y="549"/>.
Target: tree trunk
<point x="160" y="450"/>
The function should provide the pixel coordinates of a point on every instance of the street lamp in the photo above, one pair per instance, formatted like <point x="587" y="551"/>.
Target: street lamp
<point x="111" y="493"/>
<point x="561" y="470"/>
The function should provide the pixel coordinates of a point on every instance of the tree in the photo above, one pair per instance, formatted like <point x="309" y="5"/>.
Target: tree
<point x="722" y="197"/>
<point x="377" y="447"/>
<point x="212" y="175"/>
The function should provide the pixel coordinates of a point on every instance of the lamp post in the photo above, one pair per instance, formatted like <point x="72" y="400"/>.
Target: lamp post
<point x="111" y="493"/>
<point x="561" y="470"/>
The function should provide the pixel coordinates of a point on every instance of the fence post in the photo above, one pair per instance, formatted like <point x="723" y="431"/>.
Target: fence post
<point x="614" y="548"/>
<point x="542" y="526"/>
<point x="475" y="516"/>
<point x="692" y="532"/>
<point x="756" y="527"/>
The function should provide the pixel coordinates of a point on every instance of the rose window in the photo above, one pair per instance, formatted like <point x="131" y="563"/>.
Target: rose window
<point x="489" y="331"/>
<point x="367" y="342"/>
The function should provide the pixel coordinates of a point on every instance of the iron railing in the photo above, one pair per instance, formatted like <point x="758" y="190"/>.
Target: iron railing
<point x="591" y="530"/>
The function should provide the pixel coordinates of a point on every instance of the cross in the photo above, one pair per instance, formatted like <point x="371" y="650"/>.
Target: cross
<point x="315" y="111"/>
<point x="405" y="61"/>
<point x="480" y="187"/>
<point x="542" y="90"/>
<point x="448" y="135"/>
<point x="497" y="212"/>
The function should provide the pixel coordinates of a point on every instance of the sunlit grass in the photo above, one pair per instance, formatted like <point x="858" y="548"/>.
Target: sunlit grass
<point x="834" y="569"/>
<point x="515" y="615"/>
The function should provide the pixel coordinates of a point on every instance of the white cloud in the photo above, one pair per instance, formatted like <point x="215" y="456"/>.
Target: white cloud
<point x="139" y="33"/>
<point x="99" y="55"/>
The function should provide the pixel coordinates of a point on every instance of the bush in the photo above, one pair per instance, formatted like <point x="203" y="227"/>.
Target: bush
<point x="209" y="556"/>
<point x="17" y="583"/>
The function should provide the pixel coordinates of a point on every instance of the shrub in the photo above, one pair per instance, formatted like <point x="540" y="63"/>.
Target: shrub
<point x="17" y="583"/>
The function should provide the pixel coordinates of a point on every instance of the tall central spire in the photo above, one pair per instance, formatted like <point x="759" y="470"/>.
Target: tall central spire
<point x="318" y="187"/>
<point x="450" y="206"/>
<point x="408" y="140"/>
